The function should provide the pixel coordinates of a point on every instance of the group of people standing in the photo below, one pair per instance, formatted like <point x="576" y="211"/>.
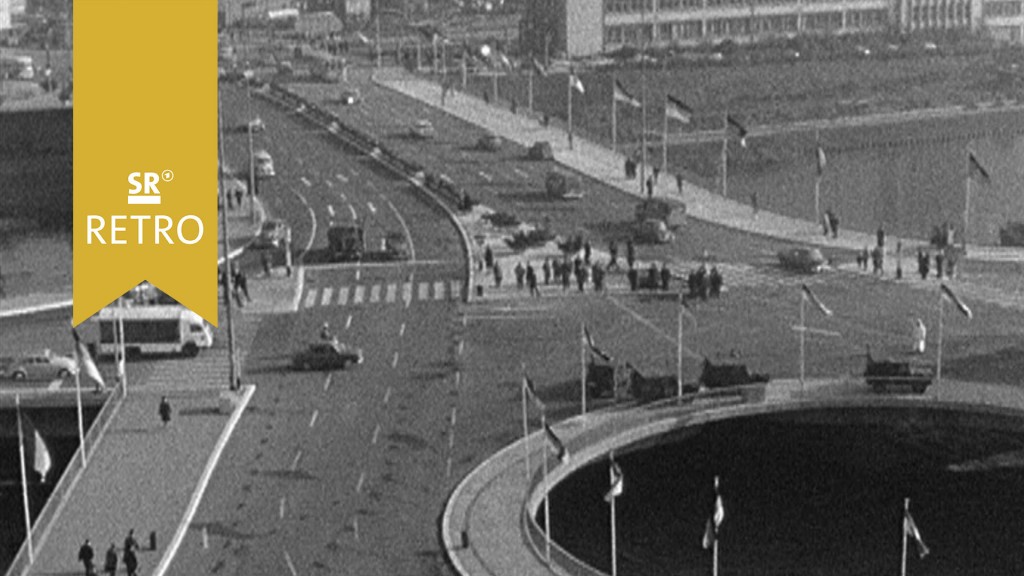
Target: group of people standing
<point x="86" y="556"/>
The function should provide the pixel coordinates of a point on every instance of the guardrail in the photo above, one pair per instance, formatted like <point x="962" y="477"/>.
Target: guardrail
<point x="436" y="188"/>
<point x="61" y="492"/>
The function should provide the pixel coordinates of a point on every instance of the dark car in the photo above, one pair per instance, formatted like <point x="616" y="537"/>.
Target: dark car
<point x="326" y="356"/>
<point x="805" y="260"/>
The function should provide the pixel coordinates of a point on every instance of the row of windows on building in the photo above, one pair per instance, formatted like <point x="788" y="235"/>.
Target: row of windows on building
<point x="638" y="6"/>
<point x="1002" y="9"/>
<point x="634" y="34"/>
<point x="942" y="14"/>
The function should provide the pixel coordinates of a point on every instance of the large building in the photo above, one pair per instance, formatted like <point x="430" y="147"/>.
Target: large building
<point x="585" y="27"/>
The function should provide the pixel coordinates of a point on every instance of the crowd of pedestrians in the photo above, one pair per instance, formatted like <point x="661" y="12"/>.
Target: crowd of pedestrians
<point x="87" y="555"/>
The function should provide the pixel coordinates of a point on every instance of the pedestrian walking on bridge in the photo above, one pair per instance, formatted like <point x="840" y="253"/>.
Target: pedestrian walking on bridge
<point x="85" y="556"/>
<point x="547" y="271"/>
<point x="165" y="417"/>
<point x="110" y="562"/>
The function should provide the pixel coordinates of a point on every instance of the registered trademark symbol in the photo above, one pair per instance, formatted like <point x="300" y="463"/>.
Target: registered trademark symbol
<point x="167" y="175"/>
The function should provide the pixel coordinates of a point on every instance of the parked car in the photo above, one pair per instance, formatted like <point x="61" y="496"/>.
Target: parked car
<point x="422" y="129"/>
<point x="326" y="355"/>
<point x="264" y="164"/>
<point x="257" y="125"/>
<point x="489" y="143"/>
<point x="350" y="97"/>
<point x="806" y="260"/>
<point x="42" y="366"/>
<point x="273" y="234"/>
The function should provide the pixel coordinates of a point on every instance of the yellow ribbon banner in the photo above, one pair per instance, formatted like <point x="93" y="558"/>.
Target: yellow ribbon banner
<point x="145" y="152"/>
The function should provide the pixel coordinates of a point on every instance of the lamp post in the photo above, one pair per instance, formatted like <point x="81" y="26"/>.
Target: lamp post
<point x="233" y="372"/>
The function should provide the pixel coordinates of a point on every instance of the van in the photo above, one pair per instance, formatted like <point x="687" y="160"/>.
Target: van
<point x="157" y="329"/>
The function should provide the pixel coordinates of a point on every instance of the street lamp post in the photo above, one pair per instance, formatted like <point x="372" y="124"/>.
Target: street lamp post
<point x="233" y="372"/>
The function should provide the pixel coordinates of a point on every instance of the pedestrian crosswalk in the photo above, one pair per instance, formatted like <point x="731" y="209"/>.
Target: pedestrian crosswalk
<point x="382" y="293"/>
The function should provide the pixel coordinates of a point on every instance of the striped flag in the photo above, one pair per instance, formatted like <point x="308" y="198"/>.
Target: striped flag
<point x="531" y="391"/>
<point x="538" y="67"/>
<point x="575" y="83"/>
<point x="820" y="154"/>
<point x="910" y="527"/>
<point x="85" y="360"/>
<point x="620" y="94"/>
<point x="41" y="460"/>
<point x="738" y="128"/>
<point x="556" y="444"/>
<point x="616" y="483"/>
<point x="676" y="110"/>
<point x="956" y="301"/>
<point x="715" y="520"/>
<point x="593" y="348"/>
<point x="808" y="295"/>
<point x="975" y="168"/>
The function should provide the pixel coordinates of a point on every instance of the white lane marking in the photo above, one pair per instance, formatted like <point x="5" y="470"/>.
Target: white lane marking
<point x="312" y="419"/>
<point x="373" y="209"/>
<point x="291" y="566"/>
<point x="375" y="293"/>
<point x="406" y="293"/>
<point x="359" y="484"/>
<point x="341" y="177"/>
<point x="355" y="530"/>
<point x="352" y="210"/>
<point x="387" y="395"/>
<point x="327" y="382"/>
<point x="330" y="210"/>
<point x="438" y="290"/>
<point x="325" y="296"/>
<point x="405" y="229"/>
<point x="343" y="295"/>
<point x="359" y="274"/>
<point x="312" y="232"/>
<point x="451" y="438"/>
<point x="357" y="298"/>
<point x="401" y="331"/>
<point x="310" y="298"/>
<point x="424" y="291"/>
<point x="295" y="461"/>
<point x="456" y="290"/>
<point x="485" y="175"/>
<point x="305" y="181"/>
<point x="520" y="173"/>
<point x="390" y="296"/>
<point x="348" y="322"/>
<point x="280" y="509"/>
<point x="329" y="183"/>
<point x="448" y="470"/>
<point x="376" y="433"/>
<point x="394" y="361"/>
<point x="462" y="344"/>
<point x="453" y="416"/>
<point x="458" y="379"/>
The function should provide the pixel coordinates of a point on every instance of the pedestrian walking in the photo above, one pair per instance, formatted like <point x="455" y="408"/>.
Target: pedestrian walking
<point x="514" y="106"/>
<point x="497" y="275"/>
<point x="85" y="556"/>
<point x="633" y="278"/>
<point x="265" y="263"/>
<point x="130" y="543"/>
<point x="940" y="260"/>
<point x="650" y="186"/>
<point x="702" y="283"/>
<point x="880" y="237"/>
<point x="131" y="562"/>
<point x="753" y="202"/>
<point x="679" y="183"/>
<point x="666" y="276"/>
<point x="547" y="271"/>
<point x="586" y="252"/>
<point x="238" y="197"/>
<point x="110" y="562"/>
<point x="652" y="276"/>
<point x="715" y="282"/>
<point x="520" y="273"/>
<point x="630" y="253"/>
<point x="165" y="410"/>
<point x="613" y="255"/>
<point x="876" y="260"/>
<point x="920" y="334"/>
<point x="531" y="280"/>
<point x="923" y="264"/>
<point x="598" y="274"/>
<point x="833" y="223"/>
<point x="566" y="279"/>
<point x="655" y="172"/>
<point x="488" y="257"/>
<point x="630" y="169"/>
<point x="487" y="97"/>
<point x="581" y="277"/>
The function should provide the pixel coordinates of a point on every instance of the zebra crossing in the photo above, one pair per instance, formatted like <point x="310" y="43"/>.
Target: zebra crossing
<point x="382" y="293"/>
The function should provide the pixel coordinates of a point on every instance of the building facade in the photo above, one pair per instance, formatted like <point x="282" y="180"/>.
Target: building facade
<point x="577" y="28"/>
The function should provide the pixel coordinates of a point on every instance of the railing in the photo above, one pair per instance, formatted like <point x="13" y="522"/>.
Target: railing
<point x="62" y="491"/>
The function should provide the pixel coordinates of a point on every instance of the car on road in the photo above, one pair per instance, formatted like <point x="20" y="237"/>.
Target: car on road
<point x="326" y="355"/>
<point x="43" y="366"/>
<point x="350" y="97"/>
<point x="802" y="259"/>
<point x="257" y="125"/>
<point x="264" y="164"/>
<point x="489" y="143"/>
<point x="273" y="234"/>
<point x="422" y="129"/>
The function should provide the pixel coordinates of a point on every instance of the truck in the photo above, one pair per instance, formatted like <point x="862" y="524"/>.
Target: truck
<point x="156" y="329"/>
<point x="884" y="375"/>
<point x="654" y="220"/>
<point x="347" y="243"/>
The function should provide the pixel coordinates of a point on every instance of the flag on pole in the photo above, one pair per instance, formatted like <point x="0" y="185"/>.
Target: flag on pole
<point x="41" y="460"/>
<point x="616" y="483"/>
<point x="975" y="168"/>
<point x="738" y="128"/>
<point x="620" y="94"/>
<point x="957" y="301"/>
<point x="575" y="82"/>
<point x="910" y="527"/>
<point x="814" y="300"/>
<point x="593" y="348"/>
<point x="556" y="444"/>
<point x="538" y="68"/>
<point x="820" y="154"/>
<point x="85" y="360"/>
<point x="532" y="391"/>
<point x="676" y="110"/>
<point x="715" y="520"/>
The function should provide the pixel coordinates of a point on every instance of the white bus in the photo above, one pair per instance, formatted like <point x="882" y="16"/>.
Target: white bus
<point x="156" y="329"/>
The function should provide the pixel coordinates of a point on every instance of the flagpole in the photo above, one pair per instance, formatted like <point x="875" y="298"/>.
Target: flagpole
<point x="547" y="508"/>
<point x="817" y="178"/>
<point x="465" y="70"/>
<point x="568" y="94"/>
<point x="615" y="114"/>
<point x="78" y="402"/>
<point x="615" y="555"/>
<point x="938" y="346"/>
<point x="906" y="509"/>
<point x="664" y="142"/>
<point x="967" y="207"/>
<point x="526" y="429"/>
<point x="679" y="350"/>
<point x="122" y="374"/>
<point x="803" y="338"/>
<point x="24" y="482"/>
<point x="714" y="554"/>
<point x="530" y="103"/>
<point x="583" y="371"/>
<point x="725" y="157"/>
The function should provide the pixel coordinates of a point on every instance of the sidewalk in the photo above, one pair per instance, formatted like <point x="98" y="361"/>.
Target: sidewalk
<point x="606" y="165"/>
<point x="43" y="298"/>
